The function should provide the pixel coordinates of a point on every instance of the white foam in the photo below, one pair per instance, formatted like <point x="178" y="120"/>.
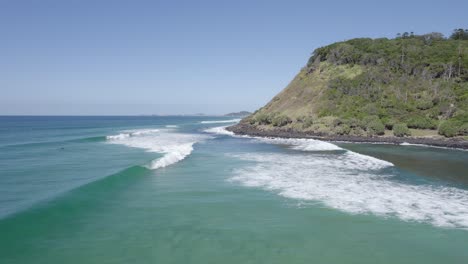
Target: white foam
<point x="221" y="121"/>
<point x="221" y="130"/>
<point x="120" y="136"/>
<point x="301" y="143"/>
<point x="304" y="144"/>
<point x="173" y="154"/>
<point x="354" y="183"/>
<point x="174" y="146"/>
<point x="418" y="145"/>
<point x="294" y="143"/>
<point x="172" y="126"/>
<point x="429" y="146"/>
<point x="132" y="133"/>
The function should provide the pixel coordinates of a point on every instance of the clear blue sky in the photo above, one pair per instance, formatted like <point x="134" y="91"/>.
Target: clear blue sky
<point x="173" y="57"/>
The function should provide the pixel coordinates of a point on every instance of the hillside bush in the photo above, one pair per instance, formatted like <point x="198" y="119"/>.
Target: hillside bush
<point x="320" y="129"/>
<point x="449" y="128"/>
<point x="457" y="126"/>
<point x="463" y="130"/>
<point x="342" y="129"/>
<point x="357" y="131"/>
<point x="424" y="104"/>
<point x="421" y="122"/>
<point x="352" y="122"/>
<point x="375" y="127"/>
<point x="388" y="123"/>
<point x="263" y="119"/>
<point x="330" y="121"/>
<point x="280" y="120"/>
<point x="365" y="122"/>
<point x="307" y="121"/>
<point x="401" y="130"/>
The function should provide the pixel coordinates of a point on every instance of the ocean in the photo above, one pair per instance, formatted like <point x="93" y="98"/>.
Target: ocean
<point x="155" y="189"/>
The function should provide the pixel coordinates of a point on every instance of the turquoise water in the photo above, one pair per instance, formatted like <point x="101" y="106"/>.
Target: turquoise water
<point x="182" y="190"/>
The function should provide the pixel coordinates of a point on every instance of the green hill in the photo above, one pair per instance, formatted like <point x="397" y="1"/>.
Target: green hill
<point x="413" y="84"/>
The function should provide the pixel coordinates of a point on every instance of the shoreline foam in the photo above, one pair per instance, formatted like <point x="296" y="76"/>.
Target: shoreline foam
<point x="248" y="130"/>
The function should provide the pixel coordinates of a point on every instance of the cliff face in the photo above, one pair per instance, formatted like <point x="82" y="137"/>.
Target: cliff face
<point x="375" y="87"/>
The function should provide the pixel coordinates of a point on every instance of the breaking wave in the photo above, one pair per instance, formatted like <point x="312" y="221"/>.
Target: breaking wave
<point x="221" y="130"/>
<point x="352" y="183"/>
<point x="221" y="121"/>
<point x="174" y="146"/>
<point x="295" y="143"/>
<point x="301" y="143"/>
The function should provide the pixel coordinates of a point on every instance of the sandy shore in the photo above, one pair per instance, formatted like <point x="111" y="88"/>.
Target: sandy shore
<point x="246" y="129"/>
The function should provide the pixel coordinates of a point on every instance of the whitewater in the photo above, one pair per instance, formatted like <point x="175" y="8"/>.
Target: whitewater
<point x="347" y="181"/>
<point x="174" y="146"/>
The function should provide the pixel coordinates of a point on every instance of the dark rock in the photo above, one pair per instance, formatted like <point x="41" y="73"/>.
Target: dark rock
<point x="244" y="128"/>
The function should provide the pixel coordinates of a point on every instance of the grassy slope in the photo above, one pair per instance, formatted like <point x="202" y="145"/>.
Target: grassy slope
<point x="304" y="96"/>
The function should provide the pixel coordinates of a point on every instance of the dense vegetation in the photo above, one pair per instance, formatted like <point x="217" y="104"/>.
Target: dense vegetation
<point x="366" y="86"/>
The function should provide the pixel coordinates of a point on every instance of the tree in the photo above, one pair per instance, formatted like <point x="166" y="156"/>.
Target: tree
<point x="459" y="34"/>
<point x="431" y="37"/>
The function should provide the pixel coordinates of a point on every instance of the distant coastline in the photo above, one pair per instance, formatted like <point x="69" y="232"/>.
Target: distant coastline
<point x="244" y="128"/>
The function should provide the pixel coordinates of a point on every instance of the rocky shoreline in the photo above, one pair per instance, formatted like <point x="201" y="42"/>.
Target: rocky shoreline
<point x="247" y="129"/>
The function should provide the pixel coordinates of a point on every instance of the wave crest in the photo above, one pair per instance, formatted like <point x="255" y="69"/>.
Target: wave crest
<point x="174" y="146"/>
<point x="220" y="121"/>
<point x="221" y="130"/>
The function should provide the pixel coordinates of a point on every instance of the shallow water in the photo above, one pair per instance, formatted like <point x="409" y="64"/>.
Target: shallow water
<point x="183" y="190"/>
